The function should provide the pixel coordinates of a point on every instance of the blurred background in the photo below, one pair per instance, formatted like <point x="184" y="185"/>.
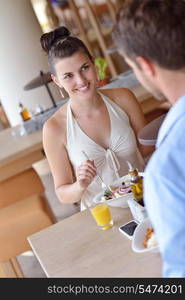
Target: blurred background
<point x="22" y="59"/>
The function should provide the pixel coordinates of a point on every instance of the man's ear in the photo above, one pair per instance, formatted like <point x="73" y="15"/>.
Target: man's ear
<point x="55" y="80"/>
<point x="146" y="65"/>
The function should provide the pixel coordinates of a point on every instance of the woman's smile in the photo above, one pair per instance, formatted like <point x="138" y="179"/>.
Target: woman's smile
<point x="84" y="88"/>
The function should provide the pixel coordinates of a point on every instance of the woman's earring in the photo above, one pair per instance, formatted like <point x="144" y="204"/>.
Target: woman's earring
<point x="97" y="82"/>
<point x="61" y="93"/>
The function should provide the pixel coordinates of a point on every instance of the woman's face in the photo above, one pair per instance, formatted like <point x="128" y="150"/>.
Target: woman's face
<point x="76" y="74"/>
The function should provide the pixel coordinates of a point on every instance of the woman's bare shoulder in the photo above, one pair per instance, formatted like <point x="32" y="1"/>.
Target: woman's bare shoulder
<point x="56" y="124"/>
<point x="117" y="93"/>
<point x="124" y="97"/>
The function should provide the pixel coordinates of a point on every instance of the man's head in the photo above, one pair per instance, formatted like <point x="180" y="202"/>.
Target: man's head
<point x="151" y="31"/>
<point x="154" y="29"/>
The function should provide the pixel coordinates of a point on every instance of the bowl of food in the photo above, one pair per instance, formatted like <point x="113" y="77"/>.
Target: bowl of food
<point x="118" y="194"/>
<point x="144" y="238"/>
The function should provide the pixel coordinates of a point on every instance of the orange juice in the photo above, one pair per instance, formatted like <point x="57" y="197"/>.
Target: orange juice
<point x="102" y="216"/>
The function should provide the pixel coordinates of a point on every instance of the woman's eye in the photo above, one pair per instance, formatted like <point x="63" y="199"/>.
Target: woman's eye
<point x="86" y="67"/>
<point x="68" y="76"/>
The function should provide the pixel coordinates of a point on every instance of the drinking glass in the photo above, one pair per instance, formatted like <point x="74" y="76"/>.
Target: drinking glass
<point x="102" y="215"/>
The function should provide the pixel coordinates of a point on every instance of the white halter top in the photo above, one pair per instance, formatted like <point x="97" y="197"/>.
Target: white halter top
<point x="111" y="163"/>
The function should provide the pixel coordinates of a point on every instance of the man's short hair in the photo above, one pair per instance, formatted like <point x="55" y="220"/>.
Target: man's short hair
<point x="154" y="29"/>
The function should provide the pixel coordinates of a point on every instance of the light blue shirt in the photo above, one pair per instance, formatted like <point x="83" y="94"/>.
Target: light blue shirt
<point x="164" y="190"/>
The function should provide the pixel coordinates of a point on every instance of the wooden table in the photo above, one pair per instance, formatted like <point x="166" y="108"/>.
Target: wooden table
<point x="76" y="247"/>
<point x="18" y="153"/>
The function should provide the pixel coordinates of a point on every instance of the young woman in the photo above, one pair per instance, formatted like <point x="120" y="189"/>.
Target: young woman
<point x="103" y="124"/>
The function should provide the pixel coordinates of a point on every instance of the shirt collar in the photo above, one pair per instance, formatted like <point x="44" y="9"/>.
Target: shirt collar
<point x="172" y="116"/>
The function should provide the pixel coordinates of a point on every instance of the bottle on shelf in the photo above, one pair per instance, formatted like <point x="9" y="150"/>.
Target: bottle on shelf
<point x="136" y="184"/>
<point x="24" y="112"/>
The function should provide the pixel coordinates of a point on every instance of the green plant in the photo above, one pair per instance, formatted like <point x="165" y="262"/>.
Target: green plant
<point x="102" y="67"/>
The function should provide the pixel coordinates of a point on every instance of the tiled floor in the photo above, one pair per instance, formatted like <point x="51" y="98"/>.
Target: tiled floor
<point x="29" y="263"/>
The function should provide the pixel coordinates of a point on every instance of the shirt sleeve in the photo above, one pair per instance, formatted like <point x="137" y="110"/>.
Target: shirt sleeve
<point x="164" y="197"/>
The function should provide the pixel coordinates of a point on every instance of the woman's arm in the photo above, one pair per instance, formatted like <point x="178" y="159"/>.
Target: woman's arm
<point x="68" y="189"/>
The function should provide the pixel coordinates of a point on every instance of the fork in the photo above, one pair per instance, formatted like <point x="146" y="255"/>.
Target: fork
<point x="104" y="186"/>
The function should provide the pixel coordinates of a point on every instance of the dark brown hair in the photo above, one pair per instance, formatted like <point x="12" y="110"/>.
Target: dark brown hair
<point x="154" y="29"/>
<point x="59" y="44"/>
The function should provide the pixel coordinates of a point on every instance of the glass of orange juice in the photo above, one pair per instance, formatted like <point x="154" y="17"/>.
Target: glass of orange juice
<point x="102" y="215"/>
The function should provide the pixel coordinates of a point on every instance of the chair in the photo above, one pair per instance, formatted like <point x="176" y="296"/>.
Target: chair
<point x="24" y="210"/>
<point x="148" y="135"/>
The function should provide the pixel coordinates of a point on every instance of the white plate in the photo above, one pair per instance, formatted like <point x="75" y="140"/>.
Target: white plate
<point x="120" y="201"/>
<point x="139" y="237"/>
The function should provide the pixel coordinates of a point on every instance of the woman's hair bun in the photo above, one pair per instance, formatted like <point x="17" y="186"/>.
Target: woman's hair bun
<point x="47" y="40"/>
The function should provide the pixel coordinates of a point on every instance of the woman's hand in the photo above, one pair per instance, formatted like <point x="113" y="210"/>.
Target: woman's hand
<point x="85" y="173"/>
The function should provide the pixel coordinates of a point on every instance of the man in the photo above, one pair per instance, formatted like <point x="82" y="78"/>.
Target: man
<point x="151" y="37"/>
